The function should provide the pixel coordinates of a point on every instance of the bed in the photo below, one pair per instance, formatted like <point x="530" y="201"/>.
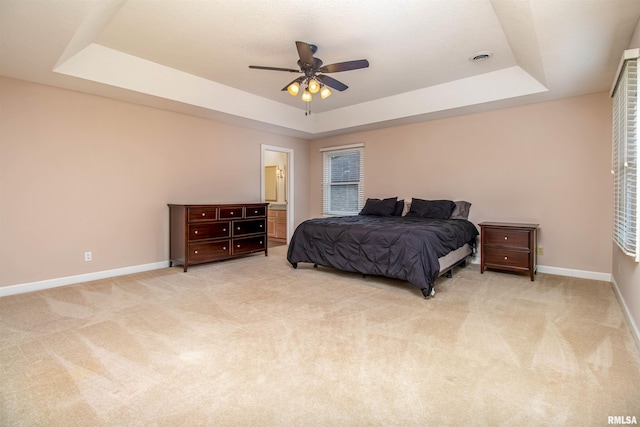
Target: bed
<point x="419" y="246"/>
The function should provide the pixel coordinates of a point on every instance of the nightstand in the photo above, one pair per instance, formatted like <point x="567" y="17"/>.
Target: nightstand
<point x="508" y="246"/>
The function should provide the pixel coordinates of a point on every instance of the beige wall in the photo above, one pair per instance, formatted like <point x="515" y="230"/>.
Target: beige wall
<point x="546" y="163"/>
<point x="85" y="173"/>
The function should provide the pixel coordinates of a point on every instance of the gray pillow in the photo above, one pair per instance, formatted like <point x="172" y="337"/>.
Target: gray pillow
<point x="461" y="211"/>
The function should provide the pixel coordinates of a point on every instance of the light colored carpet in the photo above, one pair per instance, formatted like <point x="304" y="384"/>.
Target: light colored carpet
<point x="253" y="342"/>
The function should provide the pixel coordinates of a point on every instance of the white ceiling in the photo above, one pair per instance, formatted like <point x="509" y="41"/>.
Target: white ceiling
<point x="192" y="56"/>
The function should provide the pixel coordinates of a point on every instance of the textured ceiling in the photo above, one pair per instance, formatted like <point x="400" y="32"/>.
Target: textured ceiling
<point x="193" y="56"/>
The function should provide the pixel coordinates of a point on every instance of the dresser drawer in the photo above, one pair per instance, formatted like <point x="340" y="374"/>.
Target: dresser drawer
<point x="241" y="228"/>
<point x="231" y="212"/>
<point x="202" y="252"/>
<point x="249" y="244"/>
<point x="209" y="230"/>
<point x="255" y="211"/>
<point x="507" y="258"/>
<point x="202" y="213"/>
<point x="506" y="238"/>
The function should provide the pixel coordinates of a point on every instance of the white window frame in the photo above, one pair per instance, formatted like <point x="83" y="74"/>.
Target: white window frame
<point x="327" y="153"/>
<point x="624" y="158"/>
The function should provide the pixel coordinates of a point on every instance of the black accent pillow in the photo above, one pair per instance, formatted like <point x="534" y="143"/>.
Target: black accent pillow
<point x="399" y="208"/>
<point x="384" y="207"/>
<point x="433" y="209"/>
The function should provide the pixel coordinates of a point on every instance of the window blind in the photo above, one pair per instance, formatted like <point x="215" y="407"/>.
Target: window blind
<point x="342" y="180"/>
<point x="625" y="156"/>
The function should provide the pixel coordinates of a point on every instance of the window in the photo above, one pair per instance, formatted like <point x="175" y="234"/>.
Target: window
<point x="625" y="156"/>
<point x="342" y="180"/>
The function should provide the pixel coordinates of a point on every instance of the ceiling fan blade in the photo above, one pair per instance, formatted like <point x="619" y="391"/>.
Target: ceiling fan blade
<point x="345" y="66"/>
<point x="258" y="67"/>
<point x="299" y="80"/>
<point x="305" y="53"/>
<point x="331" y="82"/>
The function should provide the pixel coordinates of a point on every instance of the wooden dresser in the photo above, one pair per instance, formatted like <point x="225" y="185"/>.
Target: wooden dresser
<point x="205" y="233"/>
<point x="508" y="246"/>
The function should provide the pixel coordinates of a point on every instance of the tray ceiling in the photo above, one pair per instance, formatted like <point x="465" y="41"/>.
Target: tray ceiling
<point x="193" y="56"/>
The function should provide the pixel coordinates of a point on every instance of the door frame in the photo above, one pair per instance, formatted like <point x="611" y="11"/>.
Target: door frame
<point x="289" y="190"/>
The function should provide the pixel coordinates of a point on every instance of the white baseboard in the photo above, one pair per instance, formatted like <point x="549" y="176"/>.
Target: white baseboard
<point x="582" y="274"/>
<point x="635" y="332"/>
<point x="70" y="280"/>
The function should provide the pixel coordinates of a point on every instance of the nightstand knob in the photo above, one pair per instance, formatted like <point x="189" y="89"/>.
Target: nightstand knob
<point x="260" y="225"/>
<point x="255" y="211"/>
<point x="231" y="212"/>
<point x="506" y="238"/>
<point x="238" y="228"/>
<point x="195" y="232"/>
<point x="505" y="257"/>
<point x="224" y="229"/>
<point x="238" y="245"/>
<point x="195" y="252"/>
<point x="203" y="214"/>
<point x="224" y="248"/>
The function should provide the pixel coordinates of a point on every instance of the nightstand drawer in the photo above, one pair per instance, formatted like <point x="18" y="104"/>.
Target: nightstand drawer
<point x="507" y="238"/>
<point x="502" y="257"/>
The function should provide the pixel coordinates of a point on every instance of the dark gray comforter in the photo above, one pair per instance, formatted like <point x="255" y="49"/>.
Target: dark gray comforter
<point x="397" y="247"/>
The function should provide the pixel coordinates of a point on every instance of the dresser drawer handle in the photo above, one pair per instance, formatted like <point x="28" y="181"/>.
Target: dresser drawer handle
<point x="195" y="232"/>
<point x="195" y="252"/>
<point x="255" y="211"/>
<point x="224" y="248"/>
<point x="506" y="238"/>
<point x="238" y="246"/>
<point x="260" y="241"/>
<point x="203" y="214"/>
<point x="505" y="258"/>
<point x="260" y="225"/>
<point x="224" y="229"/>
<point x="238" y="228"/>
<point x="231" y="212"/>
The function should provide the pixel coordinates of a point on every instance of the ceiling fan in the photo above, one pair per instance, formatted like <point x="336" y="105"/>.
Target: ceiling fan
<point x="314" y="73"/>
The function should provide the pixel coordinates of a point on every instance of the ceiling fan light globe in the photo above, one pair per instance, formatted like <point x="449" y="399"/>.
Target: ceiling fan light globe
<point x="314" y="86"/>
<point x="325" y="92"/>
<point x="294" y="88"/>
<point x="306" y="96"/>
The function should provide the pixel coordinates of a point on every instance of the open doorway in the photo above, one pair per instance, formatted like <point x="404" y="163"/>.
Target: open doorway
<point x="277" y="190"/>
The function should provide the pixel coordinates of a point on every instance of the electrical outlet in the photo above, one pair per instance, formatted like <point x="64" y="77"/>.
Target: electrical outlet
<point x="88" y="256"/>
<point x="540" y="250"/>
